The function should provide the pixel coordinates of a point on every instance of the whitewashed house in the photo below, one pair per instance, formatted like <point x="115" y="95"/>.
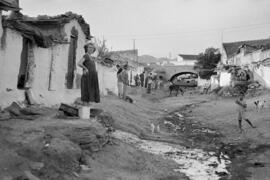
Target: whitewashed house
<point x="41" y="54"/>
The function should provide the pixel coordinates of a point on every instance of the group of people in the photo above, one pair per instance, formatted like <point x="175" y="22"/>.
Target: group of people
<point x="90" y="87"/>
<point x="148" y="80"/>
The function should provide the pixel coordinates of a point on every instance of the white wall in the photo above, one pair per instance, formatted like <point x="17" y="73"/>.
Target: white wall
<point x="265" y="54"/>
<point x="262" y="74"/>
<point x="56" y="57"/>
<point x="224" y="79"/>
<point x="10" y="64"/>
<point x="9" y="68"/>
<point x="107" y="79"/>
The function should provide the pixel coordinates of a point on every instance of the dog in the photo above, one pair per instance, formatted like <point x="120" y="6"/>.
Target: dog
<point x="129" y="99"/>
<point x="176" y="88"/>
<point x="259" y="104"/>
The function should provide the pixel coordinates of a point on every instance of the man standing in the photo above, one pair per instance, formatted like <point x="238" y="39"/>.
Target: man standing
<point x="136" y="79"/>
<point x="124" y="77"/>
<point x="119" y="81"/>
<point x="142" y="79"/>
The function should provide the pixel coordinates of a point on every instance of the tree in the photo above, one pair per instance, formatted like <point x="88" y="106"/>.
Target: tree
<point x="102" y="50"/>
<point x="207" y="62"/>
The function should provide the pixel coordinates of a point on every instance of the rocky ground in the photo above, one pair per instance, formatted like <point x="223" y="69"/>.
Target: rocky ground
<point x="55" y="147"/>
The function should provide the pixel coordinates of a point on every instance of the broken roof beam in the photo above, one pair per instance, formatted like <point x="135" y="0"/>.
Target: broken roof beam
<point x="9" y="6"/>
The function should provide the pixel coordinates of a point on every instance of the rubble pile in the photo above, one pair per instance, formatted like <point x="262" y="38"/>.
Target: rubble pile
<point x="88" y="138"/>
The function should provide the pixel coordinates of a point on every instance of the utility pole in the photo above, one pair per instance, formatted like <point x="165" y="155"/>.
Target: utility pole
<point x="134" y="41"/>
<point x="221" y="45"/>
<point x="134" y="49"/>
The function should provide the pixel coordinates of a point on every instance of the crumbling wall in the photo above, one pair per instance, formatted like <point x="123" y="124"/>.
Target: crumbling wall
<point x="51" y="67"/>
<point x="107" y="79"/>
<point x="10" y="58"/>
<point x="262" y="74"/>
<point x="10" y="65"/>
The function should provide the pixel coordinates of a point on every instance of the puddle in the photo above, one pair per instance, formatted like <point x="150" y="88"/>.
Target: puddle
<point x="194" y="163"/>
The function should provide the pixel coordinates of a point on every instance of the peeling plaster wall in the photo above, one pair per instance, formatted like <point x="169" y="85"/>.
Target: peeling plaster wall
<point x="107" y="79"/>
<point x="9" y="68"/>
<point x="50" y="70"/>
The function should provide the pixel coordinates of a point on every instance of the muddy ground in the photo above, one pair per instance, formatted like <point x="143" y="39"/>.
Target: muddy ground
<point x="53" y="147"/>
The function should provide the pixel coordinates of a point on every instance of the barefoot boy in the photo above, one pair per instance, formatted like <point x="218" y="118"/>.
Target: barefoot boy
<point x="242" y="107"/>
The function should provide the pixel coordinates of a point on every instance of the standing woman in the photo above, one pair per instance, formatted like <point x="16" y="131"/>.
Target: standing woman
<point x="89" y="80"/>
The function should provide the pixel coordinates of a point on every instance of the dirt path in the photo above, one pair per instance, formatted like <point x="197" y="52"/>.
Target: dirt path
<point x="53" y="148"/>
<point x="208" y="124"/>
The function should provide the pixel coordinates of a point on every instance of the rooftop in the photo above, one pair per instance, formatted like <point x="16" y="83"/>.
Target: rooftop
<point x="231" y="48"/>
<point x="43" y="30"/>
<point x="9" y="5"/>
<point x="189" y="57"/>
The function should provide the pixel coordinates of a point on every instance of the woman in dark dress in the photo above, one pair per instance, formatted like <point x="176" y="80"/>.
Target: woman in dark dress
<point x="89" y="80"/>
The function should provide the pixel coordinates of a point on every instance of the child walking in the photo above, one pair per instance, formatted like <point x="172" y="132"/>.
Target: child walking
<point x="242" y="107"/>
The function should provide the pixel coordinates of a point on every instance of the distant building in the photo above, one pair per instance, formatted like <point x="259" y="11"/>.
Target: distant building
<point x="185" y="60"/>
<point x="234" y="52"/>
<point x="253" y="54"/>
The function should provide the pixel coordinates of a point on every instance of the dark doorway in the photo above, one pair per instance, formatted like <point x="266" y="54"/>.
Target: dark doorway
<point x="22" y="77"/>
<point x="72" y="58"/>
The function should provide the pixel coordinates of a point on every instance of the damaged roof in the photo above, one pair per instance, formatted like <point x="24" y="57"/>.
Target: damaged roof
<point x="9" y="5"/>
<point x="44" y="21"/>
<point x="231" y="48"/>
<point x="44" y="30"/>
<point x="30" y="32"/>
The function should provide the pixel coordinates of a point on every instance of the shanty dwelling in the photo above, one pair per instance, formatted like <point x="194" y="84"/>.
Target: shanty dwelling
<point x="41" y="54"/>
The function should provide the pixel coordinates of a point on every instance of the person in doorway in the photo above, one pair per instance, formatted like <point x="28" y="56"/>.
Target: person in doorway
<point x="119" y="81"/>
<point x="124" y="77"/>
<point x="242" y="107"/>
<point x="89" y="80"/>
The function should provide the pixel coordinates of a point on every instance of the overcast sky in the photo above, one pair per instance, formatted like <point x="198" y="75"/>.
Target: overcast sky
<point x="161" y="27"/>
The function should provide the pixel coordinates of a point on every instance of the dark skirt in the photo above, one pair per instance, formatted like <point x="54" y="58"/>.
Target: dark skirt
<point x="90" y="87"/>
